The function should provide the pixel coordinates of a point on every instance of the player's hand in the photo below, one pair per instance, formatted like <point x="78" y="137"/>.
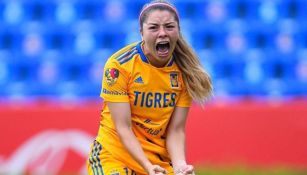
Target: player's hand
<point x="156" y="170"/>
<point x="184" y="170"/>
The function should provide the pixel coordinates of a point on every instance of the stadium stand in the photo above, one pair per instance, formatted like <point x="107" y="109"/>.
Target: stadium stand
<point x="58" y="48"/>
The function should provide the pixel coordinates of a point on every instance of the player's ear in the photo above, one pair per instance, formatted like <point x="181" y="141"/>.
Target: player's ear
<point x="141" y="32"/>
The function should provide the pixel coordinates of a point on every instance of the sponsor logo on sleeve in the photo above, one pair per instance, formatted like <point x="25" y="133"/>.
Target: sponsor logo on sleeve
<point x="110" y="92"/>
<point x="111" y="75"/>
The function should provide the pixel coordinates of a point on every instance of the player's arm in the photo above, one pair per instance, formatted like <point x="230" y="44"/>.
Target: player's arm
<point x="175" y="141"/>
<point x="121" y="115"/>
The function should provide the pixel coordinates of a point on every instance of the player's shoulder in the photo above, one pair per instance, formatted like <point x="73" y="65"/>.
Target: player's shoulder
<point x="125" y="54"/>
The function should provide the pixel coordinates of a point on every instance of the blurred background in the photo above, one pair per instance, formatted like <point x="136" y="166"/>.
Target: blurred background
<point x="52" y="54"/>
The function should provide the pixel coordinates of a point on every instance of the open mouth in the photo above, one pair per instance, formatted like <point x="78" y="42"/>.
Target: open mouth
<point x="163" y="48"/>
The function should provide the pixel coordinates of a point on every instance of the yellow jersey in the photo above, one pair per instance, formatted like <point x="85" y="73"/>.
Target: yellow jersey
<point x="153" y="94"/>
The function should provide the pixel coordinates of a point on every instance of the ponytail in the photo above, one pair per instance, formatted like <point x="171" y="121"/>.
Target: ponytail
<point x="196" y="79"/>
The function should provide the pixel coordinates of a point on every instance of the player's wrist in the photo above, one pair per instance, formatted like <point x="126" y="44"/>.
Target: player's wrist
<point x="178" y="165"/>
<point x="148" y="166"/>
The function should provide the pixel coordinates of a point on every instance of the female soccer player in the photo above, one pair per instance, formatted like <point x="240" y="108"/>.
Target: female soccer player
<point x="147" y="89"/>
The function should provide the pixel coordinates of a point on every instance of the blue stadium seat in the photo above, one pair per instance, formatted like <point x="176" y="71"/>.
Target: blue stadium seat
<point x="280" y="66"/>
<point x="60" y="39"/>
<point x="242" y="9"/>
<point x="208" y="38"/>
<point x="84" y="43"/>
<point x="293" y="9"/>
<point x="114" y="12"/>
<point x="22" y="76"/>
<point x="229" y="88"/>
<point x="65" y="13"/>
<point x="6" y="72"/>
<point x="35" y="10"/>
<point x="110" y="39"/>
<point x="2" y="7"/>
<point x="12" y="12"/>
<point x="301" y="40"/>
<point x="24" y="70"/>
<point x="260" y="37"/>
<point x="229" y="67"/>
<point x="68" y="90"/>
<point x="73" y="71"/>
<point x="213" y="11"/>
<point x="89" y="10"/>
<point x="267" y="12"/>
<point x="187" y="9"/>
<point x="280" y="88"/>
<point x="302" y="15"/>
<point x="77" y="37"/>
<point x="302" y="88"/>
<point x="10" y="39"/>
<point x="133" y="9"/>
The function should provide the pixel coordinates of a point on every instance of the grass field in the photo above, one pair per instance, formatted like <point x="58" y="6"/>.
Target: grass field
<point x="248" y="171"/>
<point x="231" y="171"/>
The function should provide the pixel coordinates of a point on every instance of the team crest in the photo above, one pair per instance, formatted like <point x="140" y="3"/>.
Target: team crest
<point x="111" y="76"/>
<point x="174" y="80"/>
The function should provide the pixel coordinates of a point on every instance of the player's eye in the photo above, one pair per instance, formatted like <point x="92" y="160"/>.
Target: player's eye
<point x="169" y="27"/>
<point x="152" y="27"/>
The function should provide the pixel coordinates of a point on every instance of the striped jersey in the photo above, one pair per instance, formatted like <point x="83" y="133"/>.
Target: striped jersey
<point x="153" y="94"/>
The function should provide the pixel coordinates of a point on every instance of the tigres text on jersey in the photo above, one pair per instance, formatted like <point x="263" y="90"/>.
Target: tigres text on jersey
<point x="153" y="94"/>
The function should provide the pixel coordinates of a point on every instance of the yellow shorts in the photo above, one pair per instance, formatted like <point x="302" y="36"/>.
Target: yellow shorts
<point x="101" y="162"/>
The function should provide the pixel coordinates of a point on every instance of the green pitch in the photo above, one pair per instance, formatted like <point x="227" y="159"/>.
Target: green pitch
<point x="248" y="171"/>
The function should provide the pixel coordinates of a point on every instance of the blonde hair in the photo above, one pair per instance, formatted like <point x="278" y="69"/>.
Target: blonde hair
<point x="196" y="79"/>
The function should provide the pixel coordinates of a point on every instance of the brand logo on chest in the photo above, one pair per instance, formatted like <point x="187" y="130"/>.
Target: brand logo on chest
<point x="139" y="80"/>
<point x="174" y="80"/>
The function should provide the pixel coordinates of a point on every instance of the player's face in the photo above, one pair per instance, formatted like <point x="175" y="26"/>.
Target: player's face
<point x="160" y="34"/>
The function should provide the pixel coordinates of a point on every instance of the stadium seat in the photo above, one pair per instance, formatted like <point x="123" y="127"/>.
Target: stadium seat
<point x="214" y="11"/>
<point x="260" y="37"/>
<point x="2" y="6"/>
<point x="73" y="71"/>
<point x="250" y="48"/>
<point x="114" y="12"/>
<point x="187" y="9"/>
<point x="107" y="39"/>
<point x="241" y="9"/>
<point x="24" y="70"/>
<point x="208" y="38"/>
<point x="89" y="10"/>
<point x="268" y="12"/>
<point x="5" y="68"/>
<point x="11" y="12"/>
<point x="289" y="9"/>
<point x="64" y="13"/>
<point x="58" y="39"/>
<point x="10" y="39"/>
<point x="133" y="9"/>
<point x="38" y="11"/>
<point x="301" y="39"/>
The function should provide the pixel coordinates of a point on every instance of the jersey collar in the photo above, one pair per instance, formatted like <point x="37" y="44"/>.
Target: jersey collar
<point x="144" y="59"/>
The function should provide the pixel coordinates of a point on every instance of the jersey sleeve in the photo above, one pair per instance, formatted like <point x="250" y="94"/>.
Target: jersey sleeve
<point x="185" y="99"/>
<point x="114" y="83"/>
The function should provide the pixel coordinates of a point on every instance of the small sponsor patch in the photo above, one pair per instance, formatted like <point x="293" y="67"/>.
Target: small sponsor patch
<point x="174" y="80"/>
<point x="111" y="75"/>
<point x="150" y="122"/>
<point x="110" y="92"/>
<point x="114" y="172"/>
